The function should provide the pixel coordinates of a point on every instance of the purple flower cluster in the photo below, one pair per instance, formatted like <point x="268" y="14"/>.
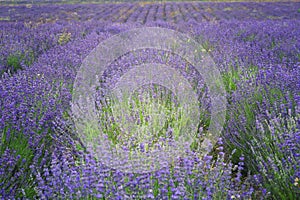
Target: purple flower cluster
<point x="188" y="178"/>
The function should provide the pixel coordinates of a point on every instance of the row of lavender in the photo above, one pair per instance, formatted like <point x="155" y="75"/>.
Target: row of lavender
<point x="147" y="12"/>
<point x="44" y="29"/>
<point x="259" y="61"/>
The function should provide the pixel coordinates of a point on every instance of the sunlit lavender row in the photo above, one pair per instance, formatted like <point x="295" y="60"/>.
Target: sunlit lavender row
<point x="256" y="48"/>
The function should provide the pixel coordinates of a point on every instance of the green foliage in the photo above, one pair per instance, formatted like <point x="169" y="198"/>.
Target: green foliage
<point x="242" y="108"/>
<point x="17" y="142"/>
<point x="4" y="18"/>
<point x="25" y="147"/>
<point x="64" y="38"/>
<point x="250" y="38"/>
<point x="156" y="187"/>
<point x="230" y="79"/>
<point x="144" y="117"/>
<point x="276" y="164"/>
<point x="259" y="145"/>
<point x="206" y="45"/>
<point x="14" y="61"/>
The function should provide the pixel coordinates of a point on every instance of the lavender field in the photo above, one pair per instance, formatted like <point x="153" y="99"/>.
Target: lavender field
<point x="50" y="148"/>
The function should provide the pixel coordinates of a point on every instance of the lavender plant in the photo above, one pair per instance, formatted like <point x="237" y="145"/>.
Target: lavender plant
<point x="276" y="153"/>
<point x="189" y="177"/>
